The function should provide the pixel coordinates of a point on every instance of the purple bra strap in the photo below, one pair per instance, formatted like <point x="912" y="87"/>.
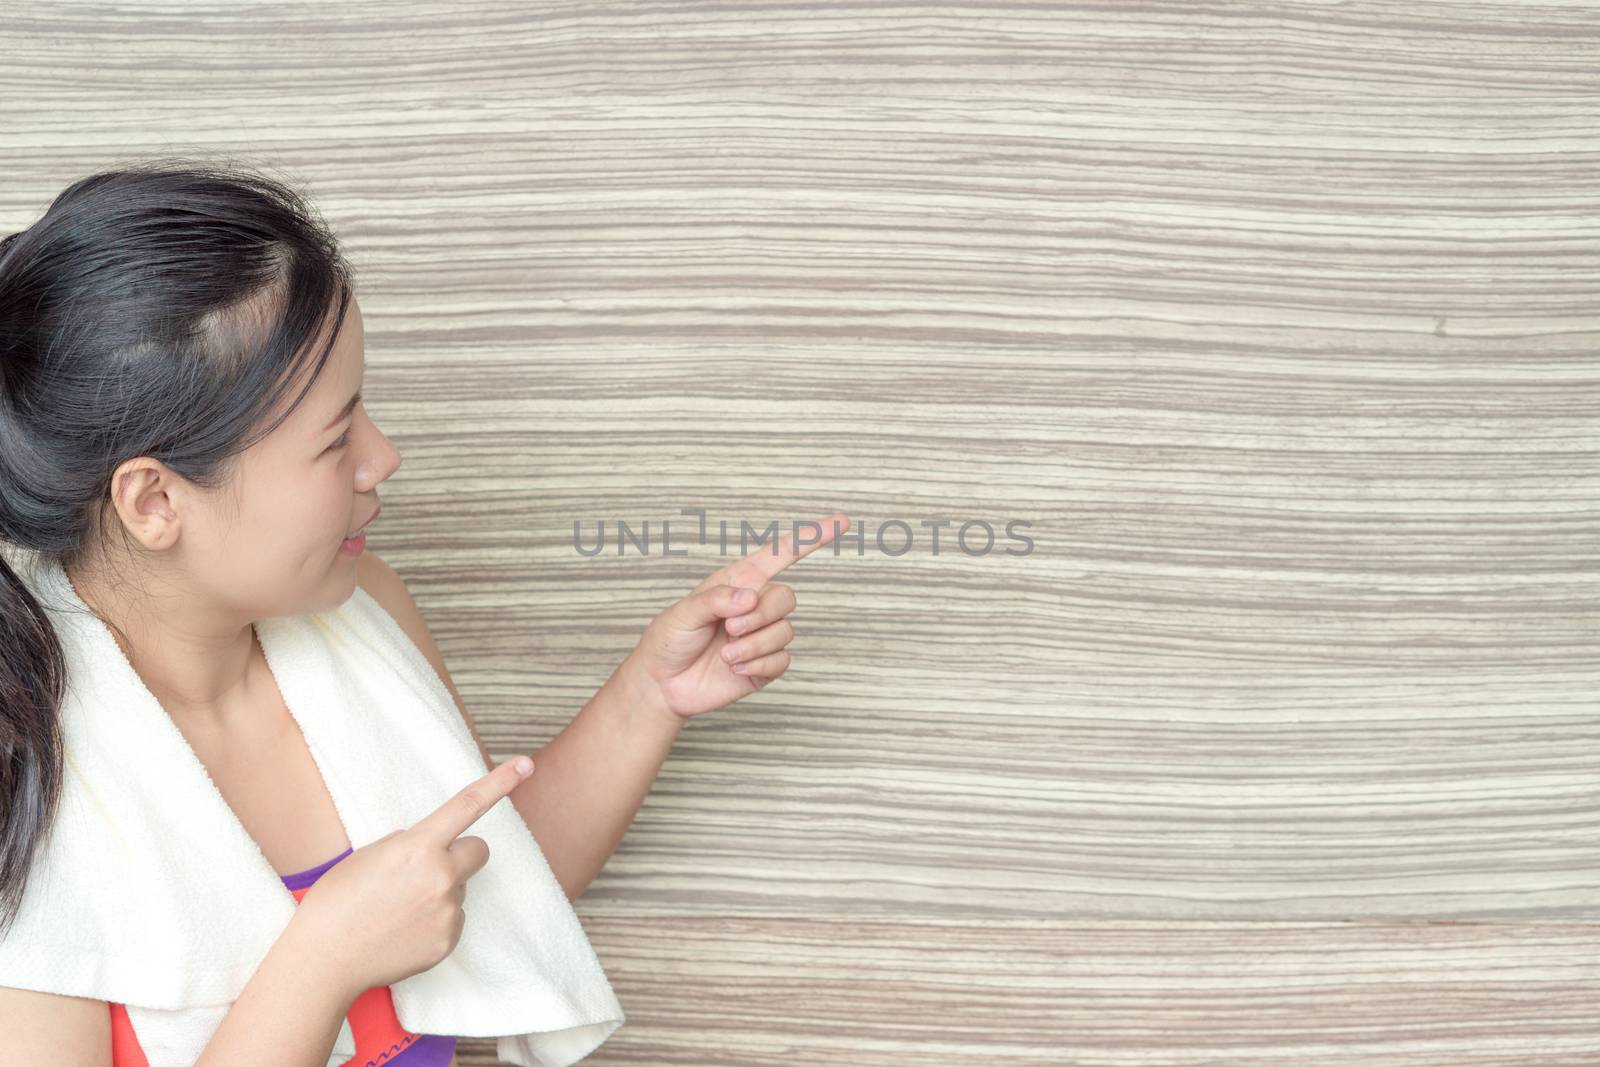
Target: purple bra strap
<point x="301" y="879"/>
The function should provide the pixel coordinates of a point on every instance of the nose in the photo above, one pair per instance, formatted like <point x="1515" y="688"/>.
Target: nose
<point x="382" y="461"/>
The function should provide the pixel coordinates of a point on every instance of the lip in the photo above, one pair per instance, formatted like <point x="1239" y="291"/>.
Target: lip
<point x="362" y="528"/>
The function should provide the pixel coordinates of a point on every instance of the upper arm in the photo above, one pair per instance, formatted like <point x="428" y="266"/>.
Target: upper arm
<point x="389" y="589"/>
<point x="51" y="1028"/>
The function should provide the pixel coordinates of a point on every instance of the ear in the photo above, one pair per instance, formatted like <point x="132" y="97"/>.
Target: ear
<point x="142" y="497"/>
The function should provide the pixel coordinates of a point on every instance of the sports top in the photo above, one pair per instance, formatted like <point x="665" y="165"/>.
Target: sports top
<point x="380" y="1039"/>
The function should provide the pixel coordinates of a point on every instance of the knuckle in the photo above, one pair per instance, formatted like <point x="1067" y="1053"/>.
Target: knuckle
<point x="471" y="800"/>
<point x="410" y="848"/>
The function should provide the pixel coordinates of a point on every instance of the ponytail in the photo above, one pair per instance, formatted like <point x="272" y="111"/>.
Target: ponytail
<point x="32" y="681"/>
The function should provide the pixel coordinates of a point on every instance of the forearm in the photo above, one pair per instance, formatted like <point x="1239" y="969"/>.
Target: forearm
<point x="288" y="1014"/>
<point x="593" y="776"/>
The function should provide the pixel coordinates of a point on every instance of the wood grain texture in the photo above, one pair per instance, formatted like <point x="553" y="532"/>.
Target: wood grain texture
<point x="764" y="992"/>
<point x="1277" y="322"/>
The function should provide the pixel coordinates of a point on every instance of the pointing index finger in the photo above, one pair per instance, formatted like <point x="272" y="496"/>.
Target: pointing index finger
<point x="755" y="571"/>
<point x="453" y="818"/>
<point x="758" y="569"/>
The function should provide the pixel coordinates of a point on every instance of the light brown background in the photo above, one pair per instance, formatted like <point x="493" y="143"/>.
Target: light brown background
<point x="1277" y="322"/>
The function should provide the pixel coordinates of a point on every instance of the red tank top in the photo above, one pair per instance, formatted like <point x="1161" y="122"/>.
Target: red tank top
<point x="380" y="1039"/>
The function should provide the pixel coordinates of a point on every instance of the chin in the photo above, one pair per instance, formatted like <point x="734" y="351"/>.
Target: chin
<point x="342" y="588"/>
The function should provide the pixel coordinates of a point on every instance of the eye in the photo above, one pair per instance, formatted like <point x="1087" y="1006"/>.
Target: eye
<point x="342" y="440"/>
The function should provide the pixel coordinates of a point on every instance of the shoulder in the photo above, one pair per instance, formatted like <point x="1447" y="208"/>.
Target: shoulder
<point x="384" y="584"/>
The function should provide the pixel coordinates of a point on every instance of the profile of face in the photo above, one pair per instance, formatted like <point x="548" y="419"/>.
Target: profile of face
<point x="271" y="543"/>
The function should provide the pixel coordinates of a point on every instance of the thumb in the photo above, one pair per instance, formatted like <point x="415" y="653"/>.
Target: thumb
<point x="712" y="605"/>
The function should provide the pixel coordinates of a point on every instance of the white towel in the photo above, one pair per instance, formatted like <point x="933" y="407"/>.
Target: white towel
<point x="149" y="892"/>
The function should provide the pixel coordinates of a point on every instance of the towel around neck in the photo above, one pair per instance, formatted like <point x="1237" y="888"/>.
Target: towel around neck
<point x="149" y="892"/>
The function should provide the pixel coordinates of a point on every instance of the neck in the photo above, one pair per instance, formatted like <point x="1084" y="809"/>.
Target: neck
<point x="198" y="660"/>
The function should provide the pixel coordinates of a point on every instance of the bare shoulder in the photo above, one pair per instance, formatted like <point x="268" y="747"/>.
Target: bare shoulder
<point x="381" y="580"/>
<point x="55" y="1029"/>
<point x="384" y="584"/>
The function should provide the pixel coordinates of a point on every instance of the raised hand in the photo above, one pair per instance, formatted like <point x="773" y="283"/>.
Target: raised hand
<point x="727" y="638"/>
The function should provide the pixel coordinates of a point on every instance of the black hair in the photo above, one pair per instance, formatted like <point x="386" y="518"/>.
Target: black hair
<point x="160" y="309"/>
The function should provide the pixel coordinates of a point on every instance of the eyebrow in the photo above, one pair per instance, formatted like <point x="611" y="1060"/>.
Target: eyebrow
<point x="344" y="413"/>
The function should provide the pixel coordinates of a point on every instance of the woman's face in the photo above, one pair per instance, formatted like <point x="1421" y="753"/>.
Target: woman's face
<point x="274" y="547"/>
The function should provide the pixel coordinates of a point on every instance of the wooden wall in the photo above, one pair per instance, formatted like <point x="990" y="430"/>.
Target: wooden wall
<point x="1275" y="321"/>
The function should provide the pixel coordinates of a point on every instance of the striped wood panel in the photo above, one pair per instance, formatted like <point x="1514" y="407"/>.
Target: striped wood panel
<point x="1276" y="321"/>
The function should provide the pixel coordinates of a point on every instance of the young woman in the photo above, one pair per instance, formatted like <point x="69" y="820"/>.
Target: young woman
<point x="182" y="431"/>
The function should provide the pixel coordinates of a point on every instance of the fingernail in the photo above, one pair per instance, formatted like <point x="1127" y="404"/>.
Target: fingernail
<point x="737" y="626"/>
<point x="742" y="596"/>
<point x="524" y="764"/>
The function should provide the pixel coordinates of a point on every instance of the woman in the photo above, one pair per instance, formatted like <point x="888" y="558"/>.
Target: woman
<point x="182" y="433"/>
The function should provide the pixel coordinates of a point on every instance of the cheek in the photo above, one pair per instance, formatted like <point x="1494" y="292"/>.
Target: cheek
<point x="328" y="503"/>
<point x="310" y="510"/>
